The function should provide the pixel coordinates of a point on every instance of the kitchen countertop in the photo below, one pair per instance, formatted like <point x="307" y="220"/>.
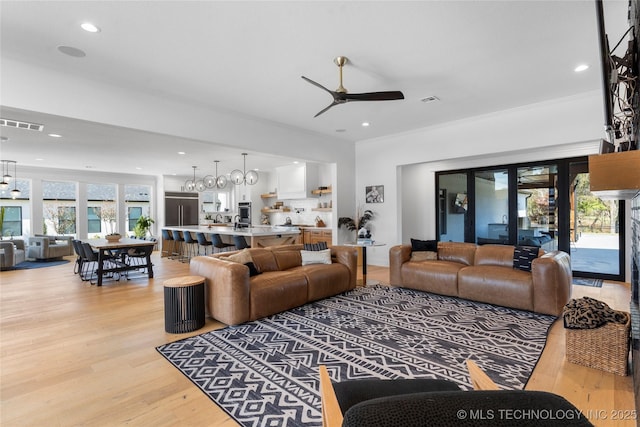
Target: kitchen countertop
<point x="258" y="230"/>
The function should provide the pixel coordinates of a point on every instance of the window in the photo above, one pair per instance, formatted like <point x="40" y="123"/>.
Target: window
<point x="66" y="220"/>
<point x="137" y="199"/>
<point x="132" y="218"/>
<point x="58" y="208"/>
<point x="93" y="218"/>
<point x="12" y="225"/>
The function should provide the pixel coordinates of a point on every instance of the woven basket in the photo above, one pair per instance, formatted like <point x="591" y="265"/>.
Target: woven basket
<point x="605" y="348"/>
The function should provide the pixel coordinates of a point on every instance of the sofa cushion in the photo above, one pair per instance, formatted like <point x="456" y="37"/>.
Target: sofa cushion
<point x="287" y="259"/>
<point x="497" y="255"/>
<point x="325" y="280"/>
<point x="440" y="277"/>
<point x="459" y="252"/>
<point x="424" y="245"/>
<point x="276" y="291"/>
<point x="264" y="259"/>
<point x="523" y="256"/>
<point x="253" y="270"/>
<point x="241" y="257"/>
<point x="423" y="255"/>
<point x="316" y="257"/>
<point x="496" y="285"/>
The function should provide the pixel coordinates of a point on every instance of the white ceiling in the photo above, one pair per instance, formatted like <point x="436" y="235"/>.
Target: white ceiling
<point x="246" y="57"/>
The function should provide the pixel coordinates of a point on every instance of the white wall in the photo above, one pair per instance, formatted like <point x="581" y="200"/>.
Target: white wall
<point x="564" y="127"/>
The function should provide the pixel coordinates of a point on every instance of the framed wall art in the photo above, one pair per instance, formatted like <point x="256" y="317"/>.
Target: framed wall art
<point x="374" y="194"/>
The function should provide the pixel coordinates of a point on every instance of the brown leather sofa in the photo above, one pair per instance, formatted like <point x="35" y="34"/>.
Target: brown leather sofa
<point x="233" y="296"/>
<point x="486" y="273"/>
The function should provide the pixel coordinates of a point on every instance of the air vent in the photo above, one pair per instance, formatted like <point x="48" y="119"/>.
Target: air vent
<point x="21" y="125"/>
<point x="430" y="99"/>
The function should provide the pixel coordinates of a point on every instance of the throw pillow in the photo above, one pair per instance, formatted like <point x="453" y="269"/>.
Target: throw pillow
<point x="316" y="257"/>
<point x="253" y="271"/>
<point x="424" y="245"/>
<point x="523" y="256"/>
<point x="423" y="255"/>
<point x="320" y="246"/>
<point x="241" y="257"/>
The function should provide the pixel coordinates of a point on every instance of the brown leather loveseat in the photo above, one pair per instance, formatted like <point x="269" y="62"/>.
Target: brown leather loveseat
<point x="487" y="274"/>
<point x="234" y="296"/>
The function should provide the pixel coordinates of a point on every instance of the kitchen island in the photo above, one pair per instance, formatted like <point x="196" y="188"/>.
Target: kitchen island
<point x="258" y="236"/>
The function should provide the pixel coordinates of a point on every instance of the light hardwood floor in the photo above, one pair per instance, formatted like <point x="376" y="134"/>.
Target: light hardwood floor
<point x="72" y="354"/>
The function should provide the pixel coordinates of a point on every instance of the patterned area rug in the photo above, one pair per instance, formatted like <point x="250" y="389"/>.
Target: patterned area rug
<point x="265" y="372"/>
<point x="585" y="281"/>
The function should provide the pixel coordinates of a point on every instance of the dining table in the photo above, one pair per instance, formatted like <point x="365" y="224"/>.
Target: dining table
<point x="106" y="250"/>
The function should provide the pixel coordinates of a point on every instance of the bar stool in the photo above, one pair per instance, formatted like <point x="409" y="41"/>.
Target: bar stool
<point x="241" y="242"/>
<point x="202" y="241"/>
<point x="189" y="243"/>
<point x="178" y="249"/>
<point x="219" y="244"/>
<point x="167" y="239"/>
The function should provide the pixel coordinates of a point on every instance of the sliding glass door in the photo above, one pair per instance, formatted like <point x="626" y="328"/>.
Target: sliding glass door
<point x="546" y="204"/>
<point x="595" y="238"/>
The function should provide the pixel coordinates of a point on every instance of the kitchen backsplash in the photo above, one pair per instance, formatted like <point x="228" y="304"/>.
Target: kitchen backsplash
<point x="302" y="213"/>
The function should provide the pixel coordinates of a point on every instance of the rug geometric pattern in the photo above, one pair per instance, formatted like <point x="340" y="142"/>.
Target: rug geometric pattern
<point x="264" y="373"/>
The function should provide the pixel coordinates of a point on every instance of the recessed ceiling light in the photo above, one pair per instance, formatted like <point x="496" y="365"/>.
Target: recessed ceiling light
<point x="182" y="153"/>
<point x="55" y="135"/>
<point x="72" y="51"/>
<point x="581" y="67"/>
<point x="138" y="168"/>
<point x="365" y="124"/>
<point x="89" y="27"/>
<point x="39" y="159"/>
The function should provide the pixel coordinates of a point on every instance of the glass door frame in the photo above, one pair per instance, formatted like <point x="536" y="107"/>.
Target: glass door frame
<point x="562" y="202"/>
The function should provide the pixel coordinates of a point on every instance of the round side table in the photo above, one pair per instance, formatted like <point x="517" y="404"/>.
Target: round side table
<point x="183" y="304"/>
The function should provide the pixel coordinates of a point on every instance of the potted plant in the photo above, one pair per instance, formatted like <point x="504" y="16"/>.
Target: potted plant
<point x="363" y="218"/>
<point x="142" y="226"/>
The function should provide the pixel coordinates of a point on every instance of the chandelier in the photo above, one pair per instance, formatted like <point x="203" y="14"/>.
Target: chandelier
<point x="193" y="184"/>
<point x="6" y="177"/>
<point x="216" y="181"/>
<point x="244" y="176"/>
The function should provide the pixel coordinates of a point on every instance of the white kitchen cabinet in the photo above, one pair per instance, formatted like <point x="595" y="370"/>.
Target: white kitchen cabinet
<point x="297" y="181"/>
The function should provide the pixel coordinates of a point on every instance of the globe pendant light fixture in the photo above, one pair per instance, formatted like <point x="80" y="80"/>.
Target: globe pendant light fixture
<point x="192" y="184"/>
<point x="15" y="193"/>
<point x="5" y="175"/>
<point x="217" y="181"/>
<point x="244" y="176"/>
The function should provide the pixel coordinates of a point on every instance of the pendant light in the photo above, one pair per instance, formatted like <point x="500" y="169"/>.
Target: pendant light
<point x="15" y="193"/>
<point x="217" y="181"/>
<point x="5" y="181"/>
<point x="244" y="176"/>
<point x="192" y="184"/>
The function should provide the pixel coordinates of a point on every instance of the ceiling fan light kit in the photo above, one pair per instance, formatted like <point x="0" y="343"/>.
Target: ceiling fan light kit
<point x="341" y="95"/>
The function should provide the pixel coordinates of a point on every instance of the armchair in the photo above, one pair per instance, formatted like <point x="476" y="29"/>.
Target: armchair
<point x="390" y="403"/>
<point x="46" y="247"/>
<point x="12" y="253"/>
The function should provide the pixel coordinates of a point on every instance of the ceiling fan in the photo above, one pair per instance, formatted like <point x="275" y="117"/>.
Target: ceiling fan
<point x="340" y="95"/>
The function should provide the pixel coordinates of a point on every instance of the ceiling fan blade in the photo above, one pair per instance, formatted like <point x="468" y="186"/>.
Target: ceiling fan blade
<point x="317" y="84"/>
<point x="374" y="96"/>
<point x="322" y="111"/>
